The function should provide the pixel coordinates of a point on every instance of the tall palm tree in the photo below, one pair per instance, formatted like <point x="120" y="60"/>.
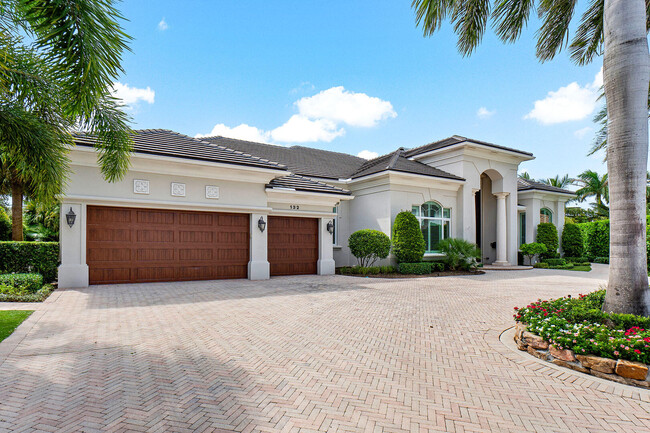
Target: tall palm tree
<point x="557" y="181"/>
<point x="592" y="185"/>
<point x="59" y="76"/>
<point x="618" y="29"/>
<point x="524" y="175"/>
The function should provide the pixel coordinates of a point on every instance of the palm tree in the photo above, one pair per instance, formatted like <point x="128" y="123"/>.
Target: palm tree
<point x="557" y="181"/>
<point x="592" y="185"/>
<point x="59" y="77"/>
<point x="524" y="175"/>
<point x="616" y="28"/>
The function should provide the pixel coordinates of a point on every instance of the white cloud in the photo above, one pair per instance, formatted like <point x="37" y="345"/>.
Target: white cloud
<point x="241" y="132"/>
<point x="162" y="25"/>
<point x="367" y="154"/>
<point x="320" y="118"/>
<point x="131" y="96"/>
<point x="581" y="133"/>
<point x="342" y="106"/>
<point x="568" y="103"/>
<point x="484" y="113"/>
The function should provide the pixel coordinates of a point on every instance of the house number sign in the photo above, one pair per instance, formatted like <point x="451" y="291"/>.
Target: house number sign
<point x="294" y="207"/>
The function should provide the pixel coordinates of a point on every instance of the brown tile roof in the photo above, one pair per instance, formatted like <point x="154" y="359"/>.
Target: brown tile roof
<point x="169" y="143"/>
<point x="301" y="183"/>
<point x="455" y="139"/>
<point x="397" y="161"/>
<point x="531" y="185"/>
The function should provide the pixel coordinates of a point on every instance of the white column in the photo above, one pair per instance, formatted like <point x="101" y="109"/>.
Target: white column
<point x="258" y="266"/>
<point x="326" y="265"/>
<point x="73" y="271"/>
<point x="502" y="238"/>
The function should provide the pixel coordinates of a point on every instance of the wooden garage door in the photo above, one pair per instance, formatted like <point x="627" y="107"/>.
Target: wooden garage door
<point x="293" y="245"/>
<point x="127" y="245"/>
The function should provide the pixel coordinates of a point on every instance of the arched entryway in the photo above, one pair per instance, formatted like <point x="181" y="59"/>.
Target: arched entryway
<point x="490" y="206"/>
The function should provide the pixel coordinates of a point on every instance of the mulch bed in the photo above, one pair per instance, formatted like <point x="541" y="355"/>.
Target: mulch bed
<point x="435" y="274"/>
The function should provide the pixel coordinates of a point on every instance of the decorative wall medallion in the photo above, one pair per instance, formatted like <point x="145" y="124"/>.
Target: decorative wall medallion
<point x="211" y="191"/>
<point x="140" y="186"/>
<point x="178" y="189"/>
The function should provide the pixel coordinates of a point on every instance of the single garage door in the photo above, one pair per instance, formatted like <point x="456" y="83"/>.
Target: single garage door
<point x="293" y="245"/>
<point x="129" y="245"/>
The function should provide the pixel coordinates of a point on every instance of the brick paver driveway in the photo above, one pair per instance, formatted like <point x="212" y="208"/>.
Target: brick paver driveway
<point x="299" y="353"/>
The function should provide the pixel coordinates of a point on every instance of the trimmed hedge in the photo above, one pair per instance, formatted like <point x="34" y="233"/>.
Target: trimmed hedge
<point x="596" y="238"/>
<point x="408" y="242"/>
<point x="577" y="260"/>
<point x="602" y="260"/>
<point x="30" y="257"/>
<point x="22" y="296"/>
<point x="547" y="235"/>
<point x="371" y="270"/>
<point x="420" y="268"/>
<point x="572" y="241"/>
<point x="5" y="226"/>
<point x="29" y="282"/>
<point x="556" y="262"/>
<point x="368" y="246"/>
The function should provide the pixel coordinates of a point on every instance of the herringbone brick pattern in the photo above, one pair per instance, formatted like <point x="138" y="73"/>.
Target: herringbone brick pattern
<point x="338" y="354"/>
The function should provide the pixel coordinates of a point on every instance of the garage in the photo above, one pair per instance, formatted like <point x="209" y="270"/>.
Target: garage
<point x="133" y="245"/>
<point x="292" y="245"/>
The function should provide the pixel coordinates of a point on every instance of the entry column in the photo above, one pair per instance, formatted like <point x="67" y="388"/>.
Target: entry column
<point x="502" y="239"/>
<point x="258" y="266"/>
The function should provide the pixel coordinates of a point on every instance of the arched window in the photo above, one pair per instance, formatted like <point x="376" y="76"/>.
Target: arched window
<point x="545" y="216"/>
<point x="435" y="222"/>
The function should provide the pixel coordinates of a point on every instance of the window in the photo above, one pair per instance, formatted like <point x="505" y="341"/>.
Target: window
<point x="545" y="216"/>
<point x="335" y="221"/>
<point x="435" y="223"/>
<point x="522" y="228"/>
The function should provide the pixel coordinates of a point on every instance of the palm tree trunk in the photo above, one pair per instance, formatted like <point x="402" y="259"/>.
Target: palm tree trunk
<point x="16" y="211"/>
<point x="626" y="77"/>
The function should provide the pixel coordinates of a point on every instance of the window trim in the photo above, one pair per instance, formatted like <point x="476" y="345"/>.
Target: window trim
<point x="441" y="219"/>
<point x="335" y="220"/>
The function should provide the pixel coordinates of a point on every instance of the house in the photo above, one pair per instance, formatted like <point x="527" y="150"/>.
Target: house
<point x="212" y="208"/>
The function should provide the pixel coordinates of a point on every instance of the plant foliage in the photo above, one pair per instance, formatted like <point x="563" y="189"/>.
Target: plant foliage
<point x="572" y="241"/>
<point x="547" y="235"/>
<point x="28" y="257"/>
<point x="368" y="246"/>
<point x="460" y="254"/>
<point x="408" y="242"/>
<point x="531" y="250"/>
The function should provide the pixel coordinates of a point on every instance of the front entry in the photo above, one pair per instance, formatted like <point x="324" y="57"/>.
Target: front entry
<point x="293" y="245"/>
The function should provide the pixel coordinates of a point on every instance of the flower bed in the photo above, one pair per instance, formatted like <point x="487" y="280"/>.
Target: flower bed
<point x="575" y="333"/>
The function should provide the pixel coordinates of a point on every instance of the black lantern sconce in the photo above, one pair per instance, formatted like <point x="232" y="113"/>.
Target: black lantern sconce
<point x="261" y="224"/>
<point x="70" y="217"/>
<point x="330" y="227"/>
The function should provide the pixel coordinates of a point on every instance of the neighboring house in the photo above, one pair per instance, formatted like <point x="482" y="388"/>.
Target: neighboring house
<point x="210" y="208"/>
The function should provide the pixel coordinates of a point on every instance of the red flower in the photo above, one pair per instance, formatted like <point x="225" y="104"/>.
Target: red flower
<point x="637" y="351"/>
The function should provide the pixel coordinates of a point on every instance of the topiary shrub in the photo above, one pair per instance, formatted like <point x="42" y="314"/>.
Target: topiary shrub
<point x="368" y="246"/>
<point x="39" y="257"/>
<point x="547" y="235"/>
<point x="408" y="242"/>
<point x="460" y="254"/>
<point x="572" y="242"/>
<point x="531" y="250"/>
<point x="5" y="226"/>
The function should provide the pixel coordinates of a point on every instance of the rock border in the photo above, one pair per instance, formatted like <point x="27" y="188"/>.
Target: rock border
<point x="617" y="370"/>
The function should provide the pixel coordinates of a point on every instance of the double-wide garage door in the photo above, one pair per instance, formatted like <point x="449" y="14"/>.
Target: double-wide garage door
<point x="127" y="245"/>
<point x="132" y="245"/>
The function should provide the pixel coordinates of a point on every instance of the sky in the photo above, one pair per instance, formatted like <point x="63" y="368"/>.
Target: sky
<point x="355" y="77"/>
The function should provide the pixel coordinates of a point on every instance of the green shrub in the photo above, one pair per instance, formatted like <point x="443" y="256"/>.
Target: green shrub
<point x="437" y="266"/>
<point x="387" y="270"/>
<point x="460" y="254"/>
<point x="555" y="262"/>
<point x="371" y="270"/>
<point x="29" y="282"/>
<point x="368" y="246"/>
<point x="576" y="260"/>
<point x="5" y="226"/>
<point x="531" y="250"/>
<point x="547" y="235"/>
<point x="13" y="294"/>
<point x="602" y="260"/>
<point x="408" y="242"/>
<point x="564" y="266"/>
<point x="40" y="257"/>
<point x="541" y="265"/>
<point x="572" y="242"/>
<point x="420" y="268"/>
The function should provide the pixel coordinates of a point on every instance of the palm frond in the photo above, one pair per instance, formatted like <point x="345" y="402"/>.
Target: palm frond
<point x="556" y="16"/>
<point x="470" y="20"/>
<point x="430" y="14"/>
<point x="588" y="39"/>
<point x="510" y="18"/>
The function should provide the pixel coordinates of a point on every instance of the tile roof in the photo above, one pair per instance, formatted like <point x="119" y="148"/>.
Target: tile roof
<point x="531" y="185"/>
<point x="301" y="160"/>
<point x="455" y="139"/>
<point x="301" y="183"/>
<point x="169" y="143"/>
<point x="397" y="161"/>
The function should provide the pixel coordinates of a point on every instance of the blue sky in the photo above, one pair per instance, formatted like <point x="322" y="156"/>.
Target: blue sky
<point x="350" y="77"/>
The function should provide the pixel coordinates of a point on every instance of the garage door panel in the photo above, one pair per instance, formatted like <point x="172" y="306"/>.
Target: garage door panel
<point x="293" y="245"/>
<point x="140" y="245"/>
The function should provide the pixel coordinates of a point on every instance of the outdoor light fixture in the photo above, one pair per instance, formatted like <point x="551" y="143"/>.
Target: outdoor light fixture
<point x="330" y="227"/>
<point x="70" y="217"/>
<point x="261" y="224"/>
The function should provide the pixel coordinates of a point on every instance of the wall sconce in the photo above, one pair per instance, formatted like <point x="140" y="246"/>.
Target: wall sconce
<point x="70" y="217"/>
<point x="261" y="224"/>
<point x="330" y="227"/>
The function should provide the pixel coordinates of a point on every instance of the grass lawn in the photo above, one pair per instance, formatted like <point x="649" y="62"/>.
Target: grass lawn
<point x="580" y="268"/>
<point x="10" y="319"/>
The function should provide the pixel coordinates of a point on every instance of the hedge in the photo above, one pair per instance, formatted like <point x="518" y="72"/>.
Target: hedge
<point x="5" y="226"/>
<point x="420" y="268"/>
<point x="555" y="262"/>
<point x="408" y="242"/>
<point x="371" y="270"/>
<point x="547" y="235"/>
<point x="572" y="241"/>
<point x="28" y="282"/>
<point x="29" y="257"/>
